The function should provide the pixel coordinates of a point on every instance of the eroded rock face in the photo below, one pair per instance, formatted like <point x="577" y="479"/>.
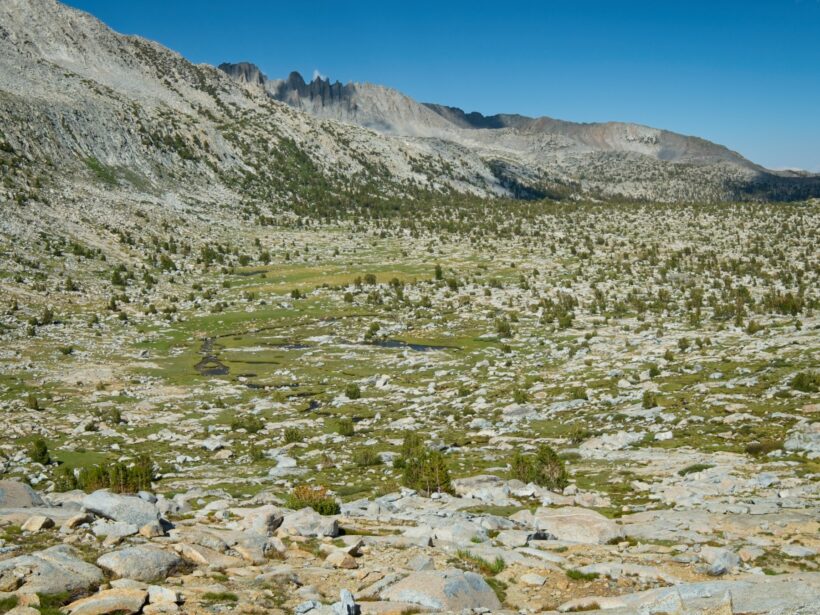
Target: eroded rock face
<point x="448" y="590"/>
<point x="140" y="563"/>
<point x="54" y="570"/>
<point x="123" y="508"/>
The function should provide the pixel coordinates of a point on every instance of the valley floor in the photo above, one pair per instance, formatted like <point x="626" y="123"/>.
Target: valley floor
<point x="667" y="354"/>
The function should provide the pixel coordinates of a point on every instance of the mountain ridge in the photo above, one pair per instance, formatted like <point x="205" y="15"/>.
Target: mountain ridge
<point x="75" y="95"/>
<point x="295" y="89"/>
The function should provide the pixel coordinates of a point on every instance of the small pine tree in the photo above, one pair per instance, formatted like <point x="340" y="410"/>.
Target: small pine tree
<point x="38" y="451"/>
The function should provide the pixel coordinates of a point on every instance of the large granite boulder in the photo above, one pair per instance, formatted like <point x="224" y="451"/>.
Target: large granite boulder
<point x="54" y="570"/>
<point x="125" y="508"/>
<point x="14" y="494"/>
<point x="448" y="590"/>
<point x="140" y="563"/>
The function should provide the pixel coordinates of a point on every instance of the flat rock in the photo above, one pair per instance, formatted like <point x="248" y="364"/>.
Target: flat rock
<point x="448" y="590"/>
<point x="109" y="601"/>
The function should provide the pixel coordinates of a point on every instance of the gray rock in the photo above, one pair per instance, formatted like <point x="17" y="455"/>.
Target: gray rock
<point x="307" y="522"/>
<point x="117" y="529"/>
<point x="140" y="563"/>
<point x="109" y="601"/>
<point x="793" y="550"/>
<point x="129" y="509"/>
<point x="421" y="562"/>
<point x="346" y="604"/>
<point x="54" y="570"/>
<point x="574" y="524"/>
<point x="720" y="560"/>
<point x="307" y="607"/>
<point x="448" y="590"/>
<point x="14" y="494"/>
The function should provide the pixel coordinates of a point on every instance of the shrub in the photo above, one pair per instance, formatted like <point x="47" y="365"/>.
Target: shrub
<point x="481" y="565"/>
<point x="503" y="328"/>
<point x="293" y="434"/>
<point x="807" y="382"/>
<point x="250" y="423"/>
<point x="352" y="391"/>
<point x="312" y="496"/>
<point x="695" y="467"/>
<point x="577" y="575"/>
<point x="426" y="471"/>
<point x="545" y="468"/>
<point x="38" y="451"/>
<point x="112" y="416"/>
<point x="344" y="427"/>
<point x="365" y="457"/>
<point x="64" y="479"/>
<point x="650" y="400"/>
<point x="764" y="447"/>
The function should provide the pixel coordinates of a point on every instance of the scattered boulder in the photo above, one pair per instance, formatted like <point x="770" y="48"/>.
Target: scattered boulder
<point x="37" y="523"/>
<point x="140" y="563"/>
<point x="263" y="520"/>
<point x="109" y="601"/>
<point x="14" y="494"/>
<point x="448" y="590"/>
<point x="341" y="559"/>
<point x="574" y="524"/>
<point x="307" y="522"/>
<point x="125" y="508"/>
<point x="55" y="570"/>
<point x="346" y="604"/>
<point x="720" y="560"/>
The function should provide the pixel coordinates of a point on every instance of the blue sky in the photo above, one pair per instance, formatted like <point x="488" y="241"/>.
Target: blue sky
<point x="744" y="74"/>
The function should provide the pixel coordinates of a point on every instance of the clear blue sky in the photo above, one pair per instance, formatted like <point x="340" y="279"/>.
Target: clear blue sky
<point x="742" y="73"/>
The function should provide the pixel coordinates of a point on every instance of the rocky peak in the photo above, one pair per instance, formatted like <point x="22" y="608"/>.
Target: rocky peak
<point x="244" y="72"/>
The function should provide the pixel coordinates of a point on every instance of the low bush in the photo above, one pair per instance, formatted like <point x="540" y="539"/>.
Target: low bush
<point x="544" y="468"/>
<point x="806" y="382"/>
<point x="38" y="451"/>
<point x="312" y="496"/>
<point x="344" y="427"/>
<point x="250" y="423"/>
<point x="365" y="457"/>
